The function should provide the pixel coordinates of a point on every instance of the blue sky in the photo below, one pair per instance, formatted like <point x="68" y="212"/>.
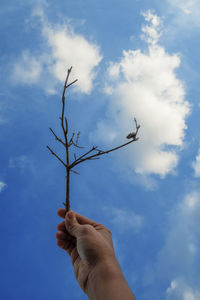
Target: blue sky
<point x="132" y="59"/>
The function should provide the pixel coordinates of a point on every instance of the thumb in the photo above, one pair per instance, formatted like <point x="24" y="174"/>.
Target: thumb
<point x="72" y="224"/>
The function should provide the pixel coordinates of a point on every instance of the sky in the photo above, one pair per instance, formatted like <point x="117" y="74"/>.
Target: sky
<point x="133" y="59"/>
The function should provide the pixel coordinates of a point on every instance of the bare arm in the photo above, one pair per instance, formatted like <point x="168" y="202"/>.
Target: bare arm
<point x="108" y="283"/>
<point x="90" y="247"/>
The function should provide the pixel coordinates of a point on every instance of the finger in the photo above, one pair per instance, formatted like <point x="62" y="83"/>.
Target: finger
<point x="72" y="225"/>
<point x="61" y="226"/>
<point x="80" y="218"/>
<point x="63" y="236"/>
<point x="83" y="220"/>
<point x="66" y="246"/>
<point x="69" y="242"/>
<point x="61" y="212"/>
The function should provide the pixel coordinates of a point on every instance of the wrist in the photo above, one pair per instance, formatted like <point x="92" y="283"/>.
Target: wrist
<point x="106" y="281"/>
<point x="105" y="269"/>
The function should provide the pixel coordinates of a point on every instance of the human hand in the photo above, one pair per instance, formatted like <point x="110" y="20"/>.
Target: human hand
<point x="88" y="243"/>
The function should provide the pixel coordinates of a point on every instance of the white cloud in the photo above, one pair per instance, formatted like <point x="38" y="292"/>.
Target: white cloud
<point x="27" y="70"/>
<point x="145" y="84"/>
<point x="64" y="48"/>
<point x="180" y="290"/>
<point x="177" y="263"/>
<point x="196" y="165"/>
<point x="68" y="49"/>
<point x="125" y="220"/>
<point x="191" y="7"/>
<point x="152" y="31"/>
<point x="2" y="186"/>
<point x="181" y="246"/>
<point x="178" y="260"/>
<point x="185" y="16"/>
<point x="21" y="162"/>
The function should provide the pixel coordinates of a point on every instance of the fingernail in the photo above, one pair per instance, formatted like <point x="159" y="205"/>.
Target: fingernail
<point x="70" y="215"/>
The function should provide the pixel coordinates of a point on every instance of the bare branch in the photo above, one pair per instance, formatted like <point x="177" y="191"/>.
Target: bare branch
<point x="77" y="146"/>
<point x="75" y="172"/>
<point x="77" y="137"/>
<point x="66" y="126"/>
<point x="65" y="132"/>
<point x="71" y="83"/>
<point x="84" y="157"/>
<point x="78" y="161"/>
<point x="53" y="153"/>
<point x="64" y="203"/>
<point x="58" y="139"/>
<point x="92" y="154"/>
<point x="71" y="140"/>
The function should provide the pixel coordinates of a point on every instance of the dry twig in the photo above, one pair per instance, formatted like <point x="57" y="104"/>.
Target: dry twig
<point x="92" y="154"/>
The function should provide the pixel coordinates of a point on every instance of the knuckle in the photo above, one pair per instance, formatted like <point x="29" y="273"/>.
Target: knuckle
<point x="74" y="255"/>
<point x="85" y="229"/>
<point x="108" y="230"/>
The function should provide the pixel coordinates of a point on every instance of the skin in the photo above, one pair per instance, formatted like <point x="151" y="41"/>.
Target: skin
<point x="90" y="246"/>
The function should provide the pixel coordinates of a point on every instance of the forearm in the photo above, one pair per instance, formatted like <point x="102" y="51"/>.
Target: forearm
<point x="107" y="282"/>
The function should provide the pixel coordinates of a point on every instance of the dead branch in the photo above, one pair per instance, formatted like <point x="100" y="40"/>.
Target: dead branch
<point x="58" y="139"/>
<point x="53" y="153"/>
<point x="100" y="152"/>
<point x="64" y="126"/>
<point x="88" y="155"/>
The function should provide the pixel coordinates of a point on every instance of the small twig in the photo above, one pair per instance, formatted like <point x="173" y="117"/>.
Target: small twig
<point x="77" y="146"/>
<point x="52" y="152"/>
<point x="92" y="154"/>
<point x="80" y="160"/>
<point x="77" y="137"/>
<point x="71" y="83"/>
<point x="58" y="139"/>
<point x="66" y="125"/>
<point x="84" y="157"/>
<point x="93" y="158"/>
<point x="71" y="140"/>
<point x="75" y="172"/>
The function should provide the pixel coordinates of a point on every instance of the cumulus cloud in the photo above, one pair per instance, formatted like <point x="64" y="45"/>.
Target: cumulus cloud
<point x="191" y="7"/>
<point x="185" y="16"/>
<point x="196" y="165"/>
<point x="180" y="290"/>
<point x="2" y="186"/>
<point x="63" y="49"/>
<point x="151" y="32"/>
<point x="145" y="84"/>
<point x="125" y="220"/>
<point x="27" y="69"/>
<point x="182" y="243"/>
<point x="178" y="260"/>
<point x="68" y="49"/>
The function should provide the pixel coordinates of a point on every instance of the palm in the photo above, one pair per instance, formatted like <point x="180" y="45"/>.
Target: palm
<point x="87" y="249"/>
